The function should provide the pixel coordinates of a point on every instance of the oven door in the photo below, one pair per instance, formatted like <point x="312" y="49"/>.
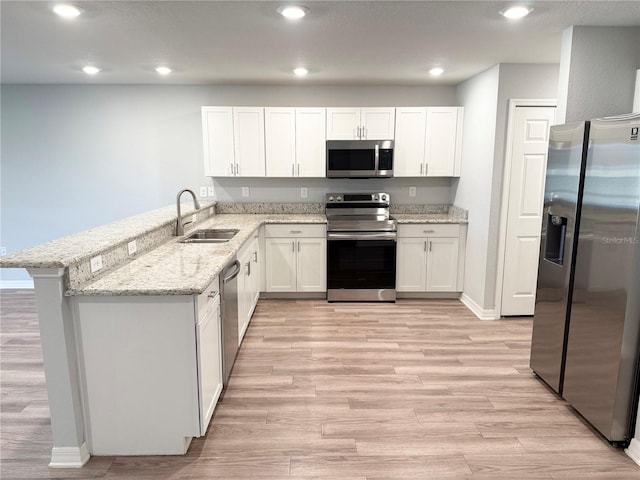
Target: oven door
<point x="361" y="266"/>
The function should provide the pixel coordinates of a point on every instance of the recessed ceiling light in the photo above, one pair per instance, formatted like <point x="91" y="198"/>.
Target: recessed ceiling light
<point x="163" y="70"/>
<point x="67" y="11"/>
<point x="436" y="71"/>
<point x="300" y="71"/>
<point x="293" y="12"/>
<point x="513" y="13"/>
<point x="90" y="70"/>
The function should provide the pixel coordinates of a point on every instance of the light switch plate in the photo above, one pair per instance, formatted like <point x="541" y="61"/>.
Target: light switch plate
<point x="203" y="192"/>
<point x="96" y="263"/>
<point x="132" y="247"/>
<point x="412" y="191"/>
<point x="211" y="191"/>
<point x="3" y="251"/>
<point x="245" y="191"/>
<point x="304" y="192"/>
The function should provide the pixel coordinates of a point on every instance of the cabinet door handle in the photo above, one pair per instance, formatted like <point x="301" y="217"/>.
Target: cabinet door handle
<point x="425" y="245"/>
<point x="298" y="167"/>
<point x="248" y="269"/>
<point x="428" y="231"/>
<point x="232" y="170"/>
<point x="295" y="231"/>
<point x="293" y="170"/>
<point x="430" y="243"/>
<point x="255" y="257"/>
<point x="293" y="246"/>
<point x="426" y="169"/>
<point x="213" y="294"/>
<point x="298" y="246"/>
<point x="363" y="133"/>
<point x="237" y="169"/>
<point x="421" y="168"/>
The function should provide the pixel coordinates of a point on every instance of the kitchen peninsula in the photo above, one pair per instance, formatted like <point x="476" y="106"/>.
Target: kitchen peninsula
<point x="144" y="304"/>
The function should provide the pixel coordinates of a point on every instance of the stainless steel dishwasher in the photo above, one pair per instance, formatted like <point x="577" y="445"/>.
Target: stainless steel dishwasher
<point x="229" y="310"/>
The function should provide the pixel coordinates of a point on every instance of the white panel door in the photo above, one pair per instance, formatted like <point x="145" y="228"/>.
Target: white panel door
<point x="312" y="264"/>
<point x="343" y="123"/>
<point x="311" y="127"/>
<point x="408" y="154"/>
<point x="209" y="363"/>
<point x="280" y="141"/>
<point x="524" y="214"/>
<point x="248" y="123"/>
<point x="441" y="141"/>
<point x="217" y="135"/>
<point x="442" y="264"/>
<point x="377" y="123"/>
<point x="411" y="265"/>
<point x="280" y="264"/>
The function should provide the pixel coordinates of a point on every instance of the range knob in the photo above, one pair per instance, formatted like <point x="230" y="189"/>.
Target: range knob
<point x="331" y="199"/>
<point x="383" y="198"/>
<point x="375" y="197"/>
<point x="339" y="198"/>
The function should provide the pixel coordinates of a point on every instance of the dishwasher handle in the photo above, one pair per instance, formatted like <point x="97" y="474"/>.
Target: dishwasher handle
<point x="235" y="267"/>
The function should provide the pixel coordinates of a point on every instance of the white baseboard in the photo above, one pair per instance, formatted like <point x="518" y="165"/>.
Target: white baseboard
<point x="69" y="457"/>
<point x="16" y="284"/>
<point x="634" y="450"/>
<point x="478" y="311"/>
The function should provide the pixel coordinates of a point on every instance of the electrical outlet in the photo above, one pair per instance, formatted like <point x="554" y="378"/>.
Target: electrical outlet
<point x="304" y="192"/>
<point x="96" y="263"/>
<point x="203" y="192"/>
<point x="245" y="191"/>
<point x="412" y="191"/>
<point x="211" y="191"/>
<point x="132" y="247"/>
<point x="3" y="251"/>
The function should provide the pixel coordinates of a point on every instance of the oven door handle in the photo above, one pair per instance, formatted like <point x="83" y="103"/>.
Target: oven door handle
<point x="361" y="235"/>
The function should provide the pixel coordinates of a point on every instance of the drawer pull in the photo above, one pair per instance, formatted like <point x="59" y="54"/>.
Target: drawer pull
<point x="213" y="294"/>
<point x="428" y="231"/>
<point x="295" y="231"/>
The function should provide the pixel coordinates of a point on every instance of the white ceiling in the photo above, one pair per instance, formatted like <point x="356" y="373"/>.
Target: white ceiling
<point x="238" y="42"/>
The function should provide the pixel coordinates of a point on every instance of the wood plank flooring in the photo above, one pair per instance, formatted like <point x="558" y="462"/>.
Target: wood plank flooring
<point x="419" y="389"/>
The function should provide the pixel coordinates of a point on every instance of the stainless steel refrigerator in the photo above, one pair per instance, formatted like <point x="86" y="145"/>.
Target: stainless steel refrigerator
<point x="586" y="327"/>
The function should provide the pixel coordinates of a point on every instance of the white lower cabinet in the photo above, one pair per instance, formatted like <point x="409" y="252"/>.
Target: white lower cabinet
<point x="151" y="370"/>
<point x="429" y="258"/>
<point x="295" y="258"/>
<point x="248" y="283"/>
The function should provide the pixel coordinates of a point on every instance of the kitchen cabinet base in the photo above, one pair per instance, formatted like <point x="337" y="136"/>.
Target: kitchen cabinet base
<point x="294" y="295"/>
<point x="454" y="295"/>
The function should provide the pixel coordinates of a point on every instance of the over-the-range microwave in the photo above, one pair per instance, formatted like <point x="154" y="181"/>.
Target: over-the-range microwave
<point x="359" y="158"/>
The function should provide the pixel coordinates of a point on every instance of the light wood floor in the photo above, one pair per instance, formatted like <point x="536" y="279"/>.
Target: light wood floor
<point x="420" y="389"/>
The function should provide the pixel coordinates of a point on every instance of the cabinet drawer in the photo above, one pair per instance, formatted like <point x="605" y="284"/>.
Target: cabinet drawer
<point x="293" y="230"/>
<point x="207" y="298"/>
<point x="429" y="230"/>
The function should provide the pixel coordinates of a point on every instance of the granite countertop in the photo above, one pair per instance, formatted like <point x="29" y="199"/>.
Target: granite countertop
<point x="428" y="218"/>
<point x="176" y="268"/>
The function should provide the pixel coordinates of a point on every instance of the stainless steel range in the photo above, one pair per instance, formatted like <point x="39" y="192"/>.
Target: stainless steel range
<point x="361" y="248"/>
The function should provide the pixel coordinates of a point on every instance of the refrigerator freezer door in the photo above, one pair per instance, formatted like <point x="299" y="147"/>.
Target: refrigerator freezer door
<point x="561" y="200"/>
<point x="602" y="348"/>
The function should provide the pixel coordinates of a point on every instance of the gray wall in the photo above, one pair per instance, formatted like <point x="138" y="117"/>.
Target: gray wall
<point x="79" y="156"/>
<point x="486" y="100"/>
<point x="598" y="67"/>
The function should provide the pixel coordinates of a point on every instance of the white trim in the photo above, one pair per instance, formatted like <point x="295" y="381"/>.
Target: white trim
<point x="16" y="284"/>
<point x="506" y="177"/>
<point x="69" y="457"/>
<point x="477" y="310"/>
<point x="634" y="450"/>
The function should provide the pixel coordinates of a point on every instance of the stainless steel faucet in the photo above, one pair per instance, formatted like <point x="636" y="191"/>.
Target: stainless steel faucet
<point x="196" y="204"/>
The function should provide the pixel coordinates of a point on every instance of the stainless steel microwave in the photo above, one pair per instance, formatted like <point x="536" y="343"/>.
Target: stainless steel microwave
<point x="359" y="158"/>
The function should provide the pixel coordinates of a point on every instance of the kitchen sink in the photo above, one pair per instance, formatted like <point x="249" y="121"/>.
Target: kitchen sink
<point x="210" y="235"/>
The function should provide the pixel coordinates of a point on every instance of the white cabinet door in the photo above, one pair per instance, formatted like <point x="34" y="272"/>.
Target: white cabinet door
<point x="280" y="264"/>
<point x="209" y="363"/>
<point x="254" y="275"/>
<point x="311" y="142"/>
<point x="411" y="265"/>
<point x="442" y="156"/>
<point x="377" y="123"/>
<point x="244" y="295"/>
<point x="442" y="265"/>
<point x="343" y="123"/>
<point x="409" y="150"/>
<point x="248" y="123"/>
<point x="311" y="264"/>
<point x="280" y="141"/>
<point x="217" y="135"/>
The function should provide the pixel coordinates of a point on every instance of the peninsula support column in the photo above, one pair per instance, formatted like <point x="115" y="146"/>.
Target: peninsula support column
<point x="59" y="350"/>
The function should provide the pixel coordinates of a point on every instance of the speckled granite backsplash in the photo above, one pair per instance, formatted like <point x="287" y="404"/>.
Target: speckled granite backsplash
<point x="269" y="208"/>
<point x="451" y="210"/>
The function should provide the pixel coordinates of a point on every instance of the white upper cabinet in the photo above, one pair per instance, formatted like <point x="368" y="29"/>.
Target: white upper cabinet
<point x="217" y="134"/>
<point x="411" y="131"/>
<point x="248" y="126"/>
<point x="311" y="142"/>
<point x="295" y="142"/>
<point x="428" y="142"/>
<point x="444" y="141"/>
<point x="280" y="141"/>
<point x="360" y="123"/>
